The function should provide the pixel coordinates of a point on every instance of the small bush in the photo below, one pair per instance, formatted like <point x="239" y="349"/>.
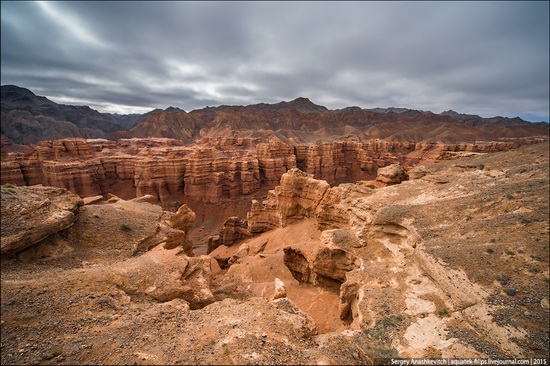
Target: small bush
<point x="510" y="291"/>
<point x="225" y="350"/>
<point x="125" y="227"/>
<point x="9" y="185"/>
<point x="383" y="352"/>
<point x="230" y="293"/>
<point x="532" y="269"/>
<point x="392" y="320"/>
<point x="493" y="240"/>
<point x="509" y="252"/>
<point x="9" y="190"/>
<point x="468" y="217"/>
<point x="490" y="250"/>
<point x="443" y="312"/>
<point x="503" y="279"/>
<point x="53" y="353"/>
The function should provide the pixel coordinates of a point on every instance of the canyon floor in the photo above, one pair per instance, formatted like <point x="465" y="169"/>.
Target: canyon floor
<point x="452" y="263"/>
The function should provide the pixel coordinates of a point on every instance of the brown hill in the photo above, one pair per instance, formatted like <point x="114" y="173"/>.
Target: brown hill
<point x="168" y="124"/>
<point x="27" y="118"/>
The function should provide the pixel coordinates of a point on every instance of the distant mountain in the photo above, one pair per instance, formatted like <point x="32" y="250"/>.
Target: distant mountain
<point x="126" y="121"/>
<point x="27" y="118"/>
<point x="394" y="110"/>
<point x="299" y="104"/>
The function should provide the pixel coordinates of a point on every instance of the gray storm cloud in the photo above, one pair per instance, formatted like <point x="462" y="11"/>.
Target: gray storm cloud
<point x="487" y="58"/>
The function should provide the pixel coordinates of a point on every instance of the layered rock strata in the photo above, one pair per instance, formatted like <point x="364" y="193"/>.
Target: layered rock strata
<point x="212" y="172"/>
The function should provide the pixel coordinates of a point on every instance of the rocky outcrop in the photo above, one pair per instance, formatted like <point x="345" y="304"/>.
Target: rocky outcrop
<point x="301" y="196"/>
<point x="175" y="227"/>
<point x="391" y="174"/>
<point x="234" y="228"/>
<point x="31" y="214"/>
<point x="163" y="275"/>
<point x="325" y="266"/>
<point x="274" y="159"/>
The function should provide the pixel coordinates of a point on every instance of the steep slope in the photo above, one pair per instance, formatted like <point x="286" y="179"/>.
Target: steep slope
<point x="176" y="124"/>
<point x="28" y="118"/>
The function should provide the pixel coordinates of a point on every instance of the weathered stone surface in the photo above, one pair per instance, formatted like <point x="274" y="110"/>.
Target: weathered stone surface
<point x="391" y="174"/>
<point x="296" y="198"/>
<point x="298" y="195"/>
<point x="274" y="159"/>
<point x="92" y="200"/>
<point x="324" y="266"/>
<point x="234" y="228"/>
<point x="31" y="214"/>
<point x="264" y="216"/>
<point x="164" y="276"/>
<point x="280" y="289"/>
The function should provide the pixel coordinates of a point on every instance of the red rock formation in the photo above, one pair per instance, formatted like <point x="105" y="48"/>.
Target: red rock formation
<point x="216" y="170"/>
<point x="274" y="159"/>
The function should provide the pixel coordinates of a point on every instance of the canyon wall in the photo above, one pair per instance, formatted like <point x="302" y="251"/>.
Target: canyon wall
<point x="213" y="171"/>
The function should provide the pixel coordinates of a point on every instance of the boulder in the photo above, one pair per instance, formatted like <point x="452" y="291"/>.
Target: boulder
<point x="31" y="214"/>
<point x="391" y="174"/>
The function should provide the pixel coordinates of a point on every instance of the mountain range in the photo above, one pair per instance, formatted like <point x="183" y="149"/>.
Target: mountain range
<point x="28" y="118"/>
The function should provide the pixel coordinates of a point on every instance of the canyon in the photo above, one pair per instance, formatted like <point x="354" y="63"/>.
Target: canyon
<point x="448" y="261"/>
<point x="270" y="234"/>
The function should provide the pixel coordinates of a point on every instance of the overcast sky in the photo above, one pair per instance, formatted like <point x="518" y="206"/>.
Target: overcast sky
<point x="486" y="58"/>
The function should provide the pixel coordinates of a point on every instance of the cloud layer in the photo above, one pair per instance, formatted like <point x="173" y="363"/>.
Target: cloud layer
<point x="487" y="58"/>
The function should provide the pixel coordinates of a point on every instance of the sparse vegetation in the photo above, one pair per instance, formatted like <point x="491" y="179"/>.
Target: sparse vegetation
<point x="510" y="291"/>
<point x="392" y="320"/>
<point x="383" y="352"/>
<point x="503" y="279"/>
<point x="468" y="217"/>
<point x="225" y="350"/>
<point x="125" y="227"/>
<point x="490" y="250"/>
<point x="493" y="240"/>
<point x="9" y="187"/>
<point x="383" y="329"/>
<point x="443" y="312"/>
<point x="509" y="251"/>
<point x="53" y="353"/>
<point x="229" y="293"/>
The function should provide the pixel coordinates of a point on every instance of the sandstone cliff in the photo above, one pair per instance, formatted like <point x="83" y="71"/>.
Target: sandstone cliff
<point x="218" y="170"/>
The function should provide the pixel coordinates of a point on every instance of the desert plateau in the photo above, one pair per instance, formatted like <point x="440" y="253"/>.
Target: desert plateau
<point x="283" y="233"/>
